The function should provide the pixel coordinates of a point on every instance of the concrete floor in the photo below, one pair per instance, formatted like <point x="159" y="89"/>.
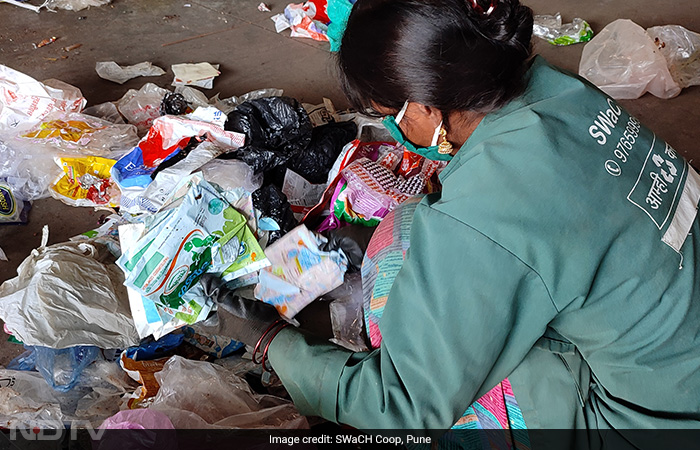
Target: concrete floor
<point x="234" y="34"/>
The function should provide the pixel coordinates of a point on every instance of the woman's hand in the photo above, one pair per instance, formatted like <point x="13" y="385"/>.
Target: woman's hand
<point x="238" y="318"/>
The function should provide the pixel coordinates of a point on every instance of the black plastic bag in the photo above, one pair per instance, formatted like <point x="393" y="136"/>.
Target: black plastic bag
<point x="318" y="158"/>
<point x="173" y="104"/>
<point x="276" y="128"/>
<point x="272" y="203"/>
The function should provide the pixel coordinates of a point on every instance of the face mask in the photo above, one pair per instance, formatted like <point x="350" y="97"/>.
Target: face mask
<point x="392" y="124"/>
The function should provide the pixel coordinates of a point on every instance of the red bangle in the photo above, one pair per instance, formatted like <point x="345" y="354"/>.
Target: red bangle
<point x="267" y="347"/>
<point x="257" y="346"/>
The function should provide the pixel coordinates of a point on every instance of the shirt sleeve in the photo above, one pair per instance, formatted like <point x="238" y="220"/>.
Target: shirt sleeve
<point x="461" y="315"/>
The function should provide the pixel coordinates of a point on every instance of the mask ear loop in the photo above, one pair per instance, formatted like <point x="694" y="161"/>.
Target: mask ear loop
<point x="401" y="113"/>
<point x="436" y="135"/>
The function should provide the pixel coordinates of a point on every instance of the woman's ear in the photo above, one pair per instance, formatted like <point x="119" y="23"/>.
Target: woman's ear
<point x="424" y="114"/>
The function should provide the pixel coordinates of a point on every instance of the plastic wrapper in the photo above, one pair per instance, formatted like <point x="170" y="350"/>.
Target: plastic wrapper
<point x="301" y="194"/>
<point x="273" y="204"/>
<point x="13" y="209"/>
<point x="142" y="107"/>
<point x="551" y="29"/>
<point x="300" y="17"/>
<point x="78" y="132"/>
<point x="623" y="61"/>
<point x="199" y="395"/>
<point x="276" y="128"/>
<point x="217" y="346"/>
<point x="204" y="233"/>
<point x="66" y="295"/>
<point x="681" y="49"/>
<point x="86" y="182"/>
<point x="168" y="136"/>
<point x="24" y="102"/>
<point x="300" y="272"/>
<point x="142" y="371"/>
<point x="76" y="5"/>
<point x="110" y="70"/>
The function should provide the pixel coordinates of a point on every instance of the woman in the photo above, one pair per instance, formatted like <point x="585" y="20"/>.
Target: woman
<point x="560" y="253"/>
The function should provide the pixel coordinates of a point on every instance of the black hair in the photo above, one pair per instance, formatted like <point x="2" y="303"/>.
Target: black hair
<point x="447" y="54"/>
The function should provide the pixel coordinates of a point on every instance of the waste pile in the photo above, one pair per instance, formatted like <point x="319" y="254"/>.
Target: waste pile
<point x="275" y="197"/>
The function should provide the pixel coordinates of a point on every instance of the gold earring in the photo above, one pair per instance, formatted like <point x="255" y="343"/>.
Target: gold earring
<point x="444" y="148"/>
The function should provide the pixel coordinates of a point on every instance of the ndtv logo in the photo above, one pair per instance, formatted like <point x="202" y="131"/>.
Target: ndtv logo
<point x="49" y="432"/>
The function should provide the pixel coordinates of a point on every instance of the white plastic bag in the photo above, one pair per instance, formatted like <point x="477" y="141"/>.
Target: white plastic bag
<point x="681" y="48"/>
<point x="110" y="70"/>
<point x="198" y="394"/>
<point x="75" y="5"/>
<point x="624" y="62"/>
<point x="66" y="295"/>
<point x="24" y="101"/>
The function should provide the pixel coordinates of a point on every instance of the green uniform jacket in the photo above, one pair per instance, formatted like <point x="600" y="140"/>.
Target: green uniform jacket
<point x="561" y="253"/>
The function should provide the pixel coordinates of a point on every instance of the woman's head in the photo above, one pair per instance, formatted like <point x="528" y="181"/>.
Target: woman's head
<point x="452" y="55"/>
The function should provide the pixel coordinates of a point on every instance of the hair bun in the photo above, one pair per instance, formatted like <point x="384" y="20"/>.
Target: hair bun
<point x="508" y="21"/>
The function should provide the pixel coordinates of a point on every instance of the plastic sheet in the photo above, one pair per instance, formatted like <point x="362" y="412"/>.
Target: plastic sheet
<point x="106" y="111"/>
<point x="624" y="62"/>
<point x="110" y="70"/>
<point x="300" y="272"/>
<point x="199" y="395"/>
<point x="32" y="100"/>
<point x="681" y="49"/>
<point x="66" y="295"/>
<point x="231" y="174"/>
<point x="276" y="128"/>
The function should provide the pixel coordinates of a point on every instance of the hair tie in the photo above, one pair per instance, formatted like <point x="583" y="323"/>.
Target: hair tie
<point x="477" y="7"/>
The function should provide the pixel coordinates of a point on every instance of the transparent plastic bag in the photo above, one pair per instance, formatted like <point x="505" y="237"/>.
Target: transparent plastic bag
<point x="551" y="29"/>
<point x="681" y="48"/>
<point x="106" y="111"/>
<point x="347" y="316"/>
<point x="27" y="169"/>
<point x="198" y="394"/>
<point x="623" y="61"/>
<point x="27" y="401"/>
<point x="141" y="107"/>
<point x="231" y="174"/>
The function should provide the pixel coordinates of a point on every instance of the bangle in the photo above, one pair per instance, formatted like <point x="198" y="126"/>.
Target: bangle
<point x="267" y="346"/>
<point x="262" y="337"/>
